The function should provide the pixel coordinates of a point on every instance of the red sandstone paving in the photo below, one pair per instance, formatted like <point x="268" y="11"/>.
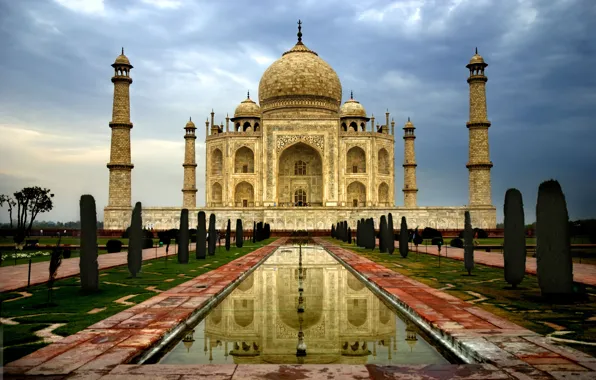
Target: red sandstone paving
<point x="583" y="273"/>
<point x="15" y="277"/>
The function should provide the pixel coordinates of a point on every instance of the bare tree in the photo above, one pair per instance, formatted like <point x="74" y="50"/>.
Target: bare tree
<point x="10" y="203"/>
<point x="30" y="202"/>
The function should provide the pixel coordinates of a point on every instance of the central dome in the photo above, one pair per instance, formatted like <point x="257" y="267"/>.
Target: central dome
<point x="300" y="79"/>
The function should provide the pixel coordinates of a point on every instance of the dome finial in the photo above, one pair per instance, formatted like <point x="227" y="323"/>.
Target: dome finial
<point x="299" y="31"/>
<point x="476" y="50"/>
<point x="408" y="118"/>
<point x="248" y="94"/>
<point x="190" y="118"/>
<point x="351" y="94"/>
<point x="122" y="50"/>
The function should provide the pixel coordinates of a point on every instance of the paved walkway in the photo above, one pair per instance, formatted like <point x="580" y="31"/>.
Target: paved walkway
<point x="583" y="273"/>
<point x="15" y="277"/>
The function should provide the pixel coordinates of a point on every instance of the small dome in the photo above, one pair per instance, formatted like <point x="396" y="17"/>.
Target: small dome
<point x="409" y="125"/>
<point x="477" y="59"/>
<point x="247" y="108"/>
<point x="122" y="59"/>
<point x="190" y="124"/>
<point x="352" y="108"/>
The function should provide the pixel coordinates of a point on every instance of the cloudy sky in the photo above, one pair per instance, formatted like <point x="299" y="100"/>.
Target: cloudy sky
<point x="190" y="56"/>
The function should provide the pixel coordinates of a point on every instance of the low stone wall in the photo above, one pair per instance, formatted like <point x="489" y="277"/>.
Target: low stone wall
<point x="309" y="218"/>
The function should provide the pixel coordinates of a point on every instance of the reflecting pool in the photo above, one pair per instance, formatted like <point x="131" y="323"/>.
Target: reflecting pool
<point x="302" y="306"/>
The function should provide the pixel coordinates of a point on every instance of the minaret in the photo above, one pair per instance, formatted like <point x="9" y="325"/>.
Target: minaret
<point x="189" y="189"/>
<point x="120" y="166"/>
<point x="410" y="189"/>
<point x="479" y="163"/>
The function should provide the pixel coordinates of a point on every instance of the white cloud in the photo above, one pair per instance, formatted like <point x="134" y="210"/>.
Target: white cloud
<point x="163" y="4"/>
<point x="90" y="7"/>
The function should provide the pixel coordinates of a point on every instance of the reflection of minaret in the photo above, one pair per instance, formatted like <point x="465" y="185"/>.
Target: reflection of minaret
<point x="479" y="163"/>
<point x="410" y="188"/>
<point x="411" y="338"/>
<point x="120" y="166"/>
<point x="188" y="340"/>
<point x="301" y="347"/>
<point x="189" y="190"/>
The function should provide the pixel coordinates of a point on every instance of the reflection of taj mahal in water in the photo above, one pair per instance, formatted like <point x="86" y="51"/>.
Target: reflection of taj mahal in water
<point x="342" y="322"/>
<point x="300" y="146"/>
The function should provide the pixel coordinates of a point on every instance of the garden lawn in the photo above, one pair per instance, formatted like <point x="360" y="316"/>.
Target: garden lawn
<point x="8" y="258"/>
<point x="487" y="289"/>
<point x="78" y="311"/>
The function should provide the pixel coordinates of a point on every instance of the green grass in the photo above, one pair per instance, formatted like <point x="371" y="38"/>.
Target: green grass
<point x="72" y="306"/>
<point x="499" y="241"/>
<point x="65" y="240"/>
<point x="523" y="306"/>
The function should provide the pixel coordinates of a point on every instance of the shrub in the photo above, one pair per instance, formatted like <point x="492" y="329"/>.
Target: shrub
<point x="349" y="235"/>
<point x="193" y="235"/>
<point x="147" y="243"/>
<point x="403" y="238"/>
<point x="383" y="234"/>
<point x="429" y="233"/>
<point x="390" y="235"/>
<point x="514" y="244"/>
<point x="468" y="244"/>
<point x="201" y="251"/>
<point x="333" y="231"/>
<point x="480" y="233"/>
<point x="66" y="253"/>
<point x="135" y="243"/>
<point x="553" y="255"/>
<point x="126" y="233"/>
<point x="114" y="246"/>
<point x="437" y="241"/>
<point x="184" y="238"/>
<point x="88" y="267"/>
<point x="417" y="240"/>
<point x="147" y="234"/>
<point x="456" y="243"/>
<point x="461" y="234"/>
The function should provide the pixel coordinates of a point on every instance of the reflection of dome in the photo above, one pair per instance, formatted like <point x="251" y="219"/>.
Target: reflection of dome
<point x="247" y="283"/>
<point x="215" y="315"/>
<point x="247" y="108"/>
<point x="354" y="283"/>
<point x="244" y="312"/>
<point x="357" y="311"/>
<point x="287" y="298"/>
<point x="300" y="75"/>
<point x="352" y="108"/>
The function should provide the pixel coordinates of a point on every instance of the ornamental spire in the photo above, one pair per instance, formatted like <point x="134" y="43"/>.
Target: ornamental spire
<point x="299" y="32"/>
<point x="248" y="94"/>
<point x="351" y="94"/>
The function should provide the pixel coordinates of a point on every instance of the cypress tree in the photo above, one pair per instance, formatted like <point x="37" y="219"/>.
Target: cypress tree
<point x="267" y="230"/>
<point x="383" y="234"/>
<point x="135" y="241"/>
<point x="403" y="238"/>
<point x="201" y="251"/>
<point x="553" y="255"/>
<point x="333" y="231"/>
<point x="514" y="244"/>
<point x="370" y="234"/>
<point x="89" y="270"/>
<point x="338" y="230"/>
<point x="240" y="233"/>
<point x="254" y="232"/>
<point x="390" y="235"/>
<point x="183" y="238"/>
<point x="468" y="243"/>
<point x="212" y="236"/>
<point x="349" y="235"/>
<point x="228" y="233"/>
<point x="358" y="233"/>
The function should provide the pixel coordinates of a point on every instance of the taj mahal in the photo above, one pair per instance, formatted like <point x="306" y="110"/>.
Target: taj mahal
<point x="299" y="158"/>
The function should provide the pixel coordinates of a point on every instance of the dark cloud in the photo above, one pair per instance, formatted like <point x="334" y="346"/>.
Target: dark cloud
<point x="406" y="56"/>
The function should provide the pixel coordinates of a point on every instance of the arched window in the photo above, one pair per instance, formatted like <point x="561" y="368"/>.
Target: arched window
<point x="299" y="197"/>
<point x="344" y="127"/>
<point x="300" y="168"/>
<point x="353" y="126"/>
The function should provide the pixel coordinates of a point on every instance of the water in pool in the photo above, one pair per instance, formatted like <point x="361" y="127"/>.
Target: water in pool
<point x="302" y="306"/>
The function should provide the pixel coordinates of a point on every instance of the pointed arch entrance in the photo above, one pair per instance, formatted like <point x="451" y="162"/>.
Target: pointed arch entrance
<point x="300" y="176"/>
